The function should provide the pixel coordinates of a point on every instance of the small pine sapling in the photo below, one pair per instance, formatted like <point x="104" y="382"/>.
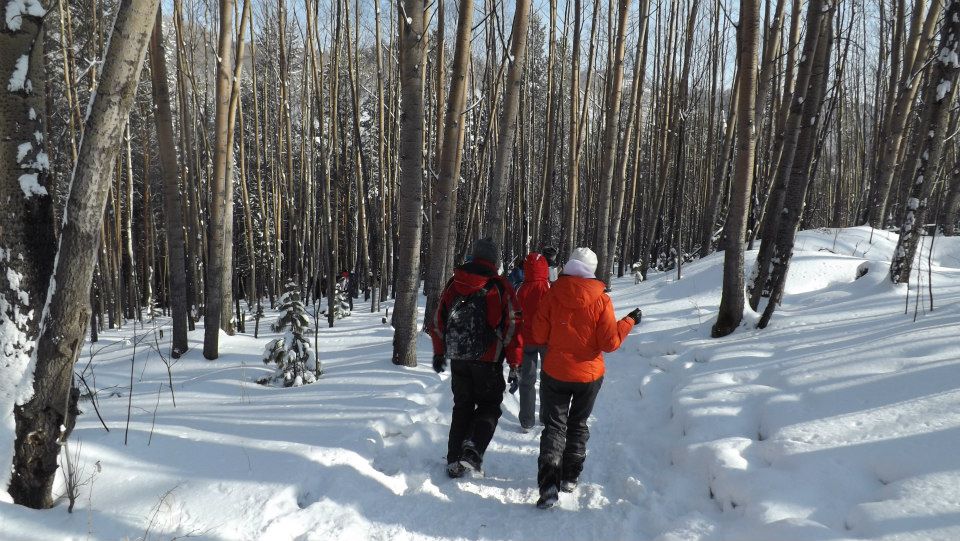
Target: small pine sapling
<point x="342" y="300"/>
<point x="295" y="361"/>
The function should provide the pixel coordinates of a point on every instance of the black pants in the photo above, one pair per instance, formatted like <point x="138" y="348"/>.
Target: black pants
<point x="565" y="407"/>
<point x="477" y="394"/>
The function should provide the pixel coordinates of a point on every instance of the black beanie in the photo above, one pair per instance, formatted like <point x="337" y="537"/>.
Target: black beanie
<point x="485" y="249"/>
<point x="550" y="254"/>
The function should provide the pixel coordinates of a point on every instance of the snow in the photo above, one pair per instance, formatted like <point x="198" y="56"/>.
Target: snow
<point x="14" y="363"/>
<point x="30" y="185"/>
<point x="18" y="79"/>
<point x="22" y="150"/>
<point x="948" y="57"/>
<point x="943" y="88"/>
<point x="16" y="9"/>
<point x="839" y="421"/>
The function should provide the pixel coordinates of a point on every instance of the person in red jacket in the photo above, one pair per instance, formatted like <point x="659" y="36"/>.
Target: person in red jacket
<point x="475" y="326"/>
<point x="535" y="285"/>
<point x="575" y="320"/>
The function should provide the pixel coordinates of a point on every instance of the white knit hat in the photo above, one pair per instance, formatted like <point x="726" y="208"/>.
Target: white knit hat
<point x="582" y="263"/>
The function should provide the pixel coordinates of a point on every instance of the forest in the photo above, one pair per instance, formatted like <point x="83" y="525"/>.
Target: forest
<point x="208" y="162"/>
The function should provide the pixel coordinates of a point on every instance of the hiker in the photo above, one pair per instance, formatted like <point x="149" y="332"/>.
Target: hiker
<point x="516" y="272"/>
<point x="551" y="254"/>
<point x="475" y="326"/>
<point x="575" y="320"/>
<point x="535" y="285"/>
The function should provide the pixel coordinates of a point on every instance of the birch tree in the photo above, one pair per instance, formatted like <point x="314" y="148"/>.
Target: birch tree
<point x="731" y="300"/>
<point x="45" y="422"/>
<point x="411" y="31"/>
<point x="938" y="95"/>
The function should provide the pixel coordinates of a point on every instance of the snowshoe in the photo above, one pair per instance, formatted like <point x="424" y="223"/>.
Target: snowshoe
<point x="548" y="498"/>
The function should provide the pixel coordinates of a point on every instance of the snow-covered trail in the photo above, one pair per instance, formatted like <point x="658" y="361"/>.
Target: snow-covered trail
<point x="839" y="421"/>
<point x="359" y="456"/>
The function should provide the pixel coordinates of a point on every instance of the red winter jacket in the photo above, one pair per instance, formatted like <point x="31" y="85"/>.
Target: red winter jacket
<point x="503" y="311"/>
<point x="536" y="283"/>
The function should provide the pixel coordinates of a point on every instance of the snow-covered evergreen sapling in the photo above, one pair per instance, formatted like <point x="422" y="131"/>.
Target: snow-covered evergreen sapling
<point x="341" y="307"/>
<point x="296" y="362"/>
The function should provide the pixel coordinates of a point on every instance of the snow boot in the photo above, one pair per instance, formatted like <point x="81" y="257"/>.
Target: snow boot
<point x="471" y="457"/>
<point x="568" y="485"/>
<point x="548" y="497"/>
<point x="455" y="470"/>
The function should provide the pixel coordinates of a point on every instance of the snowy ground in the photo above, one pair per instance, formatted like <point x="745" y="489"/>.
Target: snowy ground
<point x="839" y="421"/>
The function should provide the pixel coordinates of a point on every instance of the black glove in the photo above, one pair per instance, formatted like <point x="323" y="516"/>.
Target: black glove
<point x="635" y="315"/>
<point x="513" y="378"/>
<point x="439" y="364"/>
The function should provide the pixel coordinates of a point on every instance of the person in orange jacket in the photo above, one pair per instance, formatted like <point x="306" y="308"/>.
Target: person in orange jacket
<point x="475" y="326"/>
<point x="535" y="285"/>
<point x="575" y="320"/>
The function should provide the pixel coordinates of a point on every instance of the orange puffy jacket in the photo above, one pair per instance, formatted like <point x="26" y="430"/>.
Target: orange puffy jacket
<point x="575" y="320"/>
<point x="536" y="283"/>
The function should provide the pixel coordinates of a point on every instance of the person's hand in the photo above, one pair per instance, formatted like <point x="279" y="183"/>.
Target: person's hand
<point x="439" y="364"/>
<point x="636" y="315"/>
<point x="513" y="378"/>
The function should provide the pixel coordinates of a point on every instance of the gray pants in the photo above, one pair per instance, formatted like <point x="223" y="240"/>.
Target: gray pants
<point x="532" y="356"/>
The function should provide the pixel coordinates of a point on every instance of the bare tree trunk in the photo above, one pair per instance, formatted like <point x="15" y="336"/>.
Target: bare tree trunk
<point x="609" y="145"/>
<point x="895" y="127"/>
<point x="495" y="218"/>
<point x="27" y="241"/>
<point x="450" y="159"/>
<point x="228" y="322"/>
<point x="630" y="147"/>
<point x="216" y="287"/>
<point x="731" y="300"/>
<point x="800" y="172"/>
<point x="952" y="205"/>
<point x="45" y="422"/>
<point x="411" y="30"/>
<point x="569" y="223"/>
<point x="938" y="96"/>
<point x="382" y="169"/>
<point x="757" y="286"/>
<point x="170" y="170"/>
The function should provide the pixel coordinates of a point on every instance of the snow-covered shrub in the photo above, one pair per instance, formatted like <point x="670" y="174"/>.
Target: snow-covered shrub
<point x="295" y="361"/>
<point x="341" y="305"/>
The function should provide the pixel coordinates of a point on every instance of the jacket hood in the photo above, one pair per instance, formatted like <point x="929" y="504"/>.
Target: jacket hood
<point x="473" y="276"/>
<point x="576" y="292"/>
<point x="535" y="268"/>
